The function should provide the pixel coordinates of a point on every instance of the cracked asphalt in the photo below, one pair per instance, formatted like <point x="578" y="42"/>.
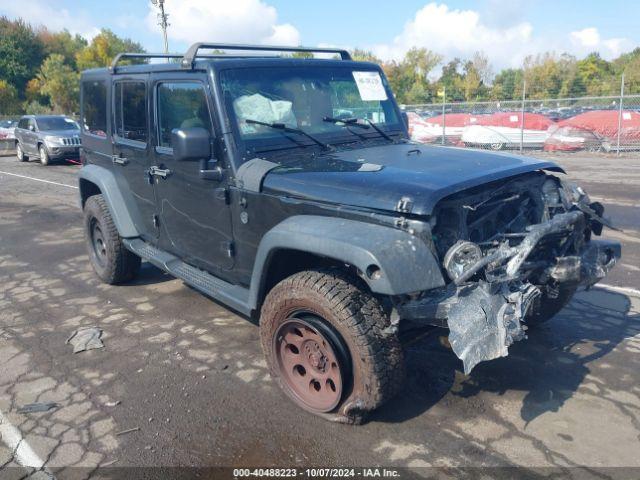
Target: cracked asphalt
<point x="182" y="382"/>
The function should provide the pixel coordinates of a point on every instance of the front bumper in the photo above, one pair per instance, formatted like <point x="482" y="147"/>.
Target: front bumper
<point x="58" y="152"/>
<point x="485" y="317"/>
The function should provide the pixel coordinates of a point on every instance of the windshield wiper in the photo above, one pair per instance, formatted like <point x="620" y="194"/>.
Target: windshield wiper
<point x="284" y="128"/>
<point x="356" y="123"/>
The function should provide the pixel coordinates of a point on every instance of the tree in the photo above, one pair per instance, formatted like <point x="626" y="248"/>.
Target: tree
<point x="9" y="103"/>
<point x="597" y="75"/>
<point x="21" y="53"/>
<point x="60" y="83"/>
<point x="508" y="84"/>
<point x="364" y="56"/>
<point x="409" y="78"/>
<point x="62" y="43"/>
<point x="103" y="48"/>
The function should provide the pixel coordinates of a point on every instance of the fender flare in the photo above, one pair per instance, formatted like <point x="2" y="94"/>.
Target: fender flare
<point x="106" y="182"/>
<point x="406" y="264"/>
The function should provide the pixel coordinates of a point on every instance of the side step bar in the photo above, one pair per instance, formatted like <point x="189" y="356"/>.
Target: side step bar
<point x="234" y="296"/>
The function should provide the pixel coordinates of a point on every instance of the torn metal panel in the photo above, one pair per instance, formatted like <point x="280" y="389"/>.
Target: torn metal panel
<point x="487" y="319"/>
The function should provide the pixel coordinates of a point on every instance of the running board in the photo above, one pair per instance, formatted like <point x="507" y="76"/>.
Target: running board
<point x="234" y="296"/>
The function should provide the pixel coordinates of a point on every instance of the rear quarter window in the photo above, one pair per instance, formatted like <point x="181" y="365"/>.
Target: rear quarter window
<point x="94" y="107"/>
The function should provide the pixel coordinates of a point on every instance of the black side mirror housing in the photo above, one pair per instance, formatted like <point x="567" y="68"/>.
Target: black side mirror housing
<point x="191" y="143"/>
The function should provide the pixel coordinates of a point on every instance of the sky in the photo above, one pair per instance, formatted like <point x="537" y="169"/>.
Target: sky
<point x="506" y="31"/>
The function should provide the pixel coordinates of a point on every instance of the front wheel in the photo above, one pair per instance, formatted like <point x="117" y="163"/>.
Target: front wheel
<point x="545" y="307"/>
<point x="330" y="346"/>
<point x="20" y="153"/>
<point x="44" y="156"/>
<point x="112" y="262"/>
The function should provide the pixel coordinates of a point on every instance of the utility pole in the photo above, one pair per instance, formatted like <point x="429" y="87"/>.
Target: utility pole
<point x="162" y="21"/>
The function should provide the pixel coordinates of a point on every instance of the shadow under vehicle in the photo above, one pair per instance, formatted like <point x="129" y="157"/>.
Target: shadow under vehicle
<point x="287" y="189"/>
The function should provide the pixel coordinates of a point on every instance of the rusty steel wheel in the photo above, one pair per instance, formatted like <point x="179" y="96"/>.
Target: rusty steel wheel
<point x="311" y="362"/>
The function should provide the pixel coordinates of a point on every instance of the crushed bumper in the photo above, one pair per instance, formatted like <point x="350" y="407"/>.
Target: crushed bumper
<point x="485" y="317"/>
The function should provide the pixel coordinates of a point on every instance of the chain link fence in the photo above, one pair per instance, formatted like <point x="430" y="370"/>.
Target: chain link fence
<point x="608" y="123"/>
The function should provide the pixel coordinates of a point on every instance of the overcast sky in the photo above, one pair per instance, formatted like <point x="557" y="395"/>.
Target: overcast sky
<point x="507" y="30"/>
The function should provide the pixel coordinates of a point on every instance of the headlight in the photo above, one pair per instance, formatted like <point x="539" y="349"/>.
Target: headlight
<point x="576" y="193"/>
<point x="462" y="256"/>
<point x="53" y="140"/>
<point x="550" y="192"/>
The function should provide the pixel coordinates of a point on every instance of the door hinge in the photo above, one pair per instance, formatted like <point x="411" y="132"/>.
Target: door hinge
<point x="223" y="194"/>
<point x="229" y="248"/>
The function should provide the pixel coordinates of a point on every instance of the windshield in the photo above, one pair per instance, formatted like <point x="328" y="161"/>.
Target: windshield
<point x="56" y="123"/>
<point x="303" y="98"/>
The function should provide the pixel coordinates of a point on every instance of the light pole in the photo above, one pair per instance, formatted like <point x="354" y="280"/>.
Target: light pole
<point x="162" y="21"/>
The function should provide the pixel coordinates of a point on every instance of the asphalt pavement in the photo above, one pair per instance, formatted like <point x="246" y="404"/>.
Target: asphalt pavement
<point x="181" y="381"/>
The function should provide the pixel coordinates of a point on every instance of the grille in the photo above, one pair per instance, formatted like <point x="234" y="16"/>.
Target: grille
<point x="71" y="141"/>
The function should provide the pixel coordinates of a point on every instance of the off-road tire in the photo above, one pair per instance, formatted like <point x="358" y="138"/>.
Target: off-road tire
<point x="44" y="155"/>
<point x="118" y="264"/>
<point x="376" y="357"/>
<point x="545" y="308"/>
<point x="20" y="153"/>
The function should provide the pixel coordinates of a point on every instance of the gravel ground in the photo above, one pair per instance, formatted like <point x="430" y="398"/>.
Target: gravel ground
<point x="181" y="380"/>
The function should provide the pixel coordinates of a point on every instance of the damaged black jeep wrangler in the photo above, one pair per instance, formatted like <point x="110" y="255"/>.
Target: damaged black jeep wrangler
<point x="287" y="189"/>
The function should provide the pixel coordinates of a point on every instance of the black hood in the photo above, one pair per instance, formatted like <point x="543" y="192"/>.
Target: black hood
<point x="378" y="177"/>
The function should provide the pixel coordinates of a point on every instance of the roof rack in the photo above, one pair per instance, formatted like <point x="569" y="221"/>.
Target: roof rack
<point x="121" y="56"/>
<point x="192" y="53"/>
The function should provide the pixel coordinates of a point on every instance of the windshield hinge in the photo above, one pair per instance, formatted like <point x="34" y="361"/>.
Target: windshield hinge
<point x="229" y="249"/>
<point x="405" y="205"/>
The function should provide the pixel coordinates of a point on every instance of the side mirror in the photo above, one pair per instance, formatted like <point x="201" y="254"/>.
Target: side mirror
<point x="191" y="143"/>
<point x="32" y="128"/>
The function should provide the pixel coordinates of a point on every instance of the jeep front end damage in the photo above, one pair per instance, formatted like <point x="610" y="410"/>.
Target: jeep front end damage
<point x="502" y="248"/>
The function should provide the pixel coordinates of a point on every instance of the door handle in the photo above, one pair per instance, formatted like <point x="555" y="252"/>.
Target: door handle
<point x="119" y="160"/>
<point x="159" y="172"/>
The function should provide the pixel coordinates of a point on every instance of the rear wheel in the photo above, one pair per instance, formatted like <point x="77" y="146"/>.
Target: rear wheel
<point x="20" y="153"/>
<point x="44" y="156"/>
<point x="545" y="307"/>
<point x="496" y="146"/>
<point x="330" y="346"/>
<point x="112" y="262"/>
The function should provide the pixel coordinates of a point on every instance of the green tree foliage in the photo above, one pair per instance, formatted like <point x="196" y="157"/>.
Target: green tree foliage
<point x="62" y="43"/>
<point x="9" y="103"/>
<point x="103" y="48"/>
<point x="21" y="53"/>
<point x="60" y="83"/>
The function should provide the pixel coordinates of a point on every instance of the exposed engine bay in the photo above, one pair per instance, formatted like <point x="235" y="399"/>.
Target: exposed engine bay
<point x="505" y="247"/>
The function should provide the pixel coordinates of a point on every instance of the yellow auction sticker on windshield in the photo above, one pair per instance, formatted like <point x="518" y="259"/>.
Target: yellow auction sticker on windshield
<point x="370" y="86"/>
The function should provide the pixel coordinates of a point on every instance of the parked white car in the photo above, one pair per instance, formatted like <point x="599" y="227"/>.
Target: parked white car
<point x="7" y="129"/>
<point x="505" y="130"/>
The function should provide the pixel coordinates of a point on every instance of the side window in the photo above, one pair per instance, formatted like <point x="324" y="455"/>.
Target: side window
<point x="130" y="111"/>
<point x="181" y="105"/>
<point x="23" y="123"/>
<point x="94" y="108"/>
<point x="32" y="124"/>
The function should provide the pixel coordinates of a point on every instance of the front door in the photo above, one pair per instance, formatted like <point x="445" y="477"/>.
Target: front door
<point x="131" y="160"/>
<point x="194" y="217"/>
<point x="30" y="144"/>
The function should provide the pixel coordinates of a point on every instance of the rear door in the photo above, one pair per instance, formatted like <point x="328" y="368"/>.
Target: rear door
<point x="131" y="157"/>
<point x="195" y="219"/>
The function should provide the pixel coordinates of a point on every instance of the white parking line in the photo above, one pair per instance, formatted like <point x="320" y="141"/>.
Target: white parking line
<point x="39" y="180"/>
<point x="628" y="291"/>
<point x="23" y="454"/>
